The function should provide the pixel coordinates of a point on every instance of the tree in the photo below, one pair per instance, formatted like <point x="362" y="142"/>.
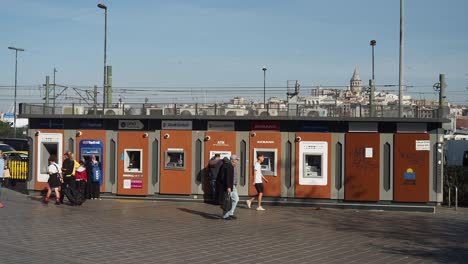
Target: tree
<point x="6" y="129"/>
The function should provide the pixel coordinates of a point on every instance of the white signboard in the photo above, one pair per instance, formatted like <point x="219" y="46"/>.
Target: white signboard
<point x="369" y="153"/>
<point x="222" y="154"/>
<point x="423" y="145"/>
<point x="130" y="124"/>
<point x="313" y="163"/>
<point x="127" y="184"/>
<point x="177" y="125"/>
<point x="221" y="125"/>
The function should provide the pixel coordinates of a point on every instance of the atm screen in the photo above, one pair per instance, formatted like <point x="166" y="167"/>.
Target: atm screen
<point x="312" y="165"/>
<point x="175" y="159"/>
<point x="47" y="150"/>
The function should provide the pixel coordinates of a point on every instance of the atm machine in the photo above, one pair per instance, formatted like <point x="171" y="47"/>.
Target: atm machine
<point x="313" y="162"/>
<point x="90" y="147"/>
<point x="48" y="144"/>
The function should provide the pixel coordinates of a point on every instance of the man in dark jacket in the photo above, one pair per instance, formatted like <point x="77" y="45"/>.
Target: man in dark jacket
<point x="67" y="172"/>
<point x="213" y="166"/>
<point x="229" y="185"/>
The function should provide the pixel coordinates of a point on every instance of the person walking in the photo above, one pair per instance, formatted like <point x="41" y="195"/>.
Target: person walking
<point x="258" y="183"/>
<point x="213" y="166"/>
<point x="229" y="183"/>
<point x="2" y="168"/>
<point x="55" y="180"/>
<point x="67" y="172"/>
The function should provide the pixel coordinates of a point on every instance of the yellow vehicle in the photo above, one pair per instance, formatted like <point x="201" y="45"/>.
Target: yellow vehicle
<point x="17" y="163"/>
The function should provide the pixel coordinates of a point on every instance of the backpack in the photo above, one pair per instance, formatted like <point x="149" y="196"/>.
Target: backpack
<point x="96" y="173"/>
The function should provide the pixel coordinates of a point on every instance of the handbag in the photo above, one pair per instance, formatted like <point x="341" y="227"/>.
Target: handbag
<point x="6" y="173"/>
<point x="226" y="203"/>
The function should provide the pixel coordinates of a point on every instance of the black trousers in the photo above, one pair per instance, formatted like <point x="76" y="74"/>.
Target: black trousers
<point x="67" y="181"/>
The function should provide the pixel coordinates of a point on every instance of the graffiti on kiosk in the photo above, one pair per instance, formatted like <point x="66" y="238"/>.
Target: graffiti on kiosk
<point x="360" y="161"/>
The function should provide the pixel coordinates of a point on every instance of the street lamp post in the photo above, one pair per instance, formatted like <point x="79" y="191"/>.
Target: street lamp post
<point x="16" y="83"/>
<point x="372" y="83"/>
<point x="104" y="86"/>
<point x="264" y="69"/>
<point x="372" y="43"/>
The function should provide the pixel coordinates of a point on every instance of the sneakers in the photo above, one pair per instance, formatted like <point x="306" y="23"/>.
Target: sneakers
<point x="249" y="203"/>
<point x="260" y="208"/>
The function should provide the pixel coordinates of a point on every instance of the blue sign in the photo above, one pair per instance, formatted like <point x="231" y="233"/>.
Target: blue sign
<point x="312" y="127"/>
<point x="91" y="123"/>
<point x="91" y="147"/>
<point x="51" y="123"/>
<point x="8" y="115"/>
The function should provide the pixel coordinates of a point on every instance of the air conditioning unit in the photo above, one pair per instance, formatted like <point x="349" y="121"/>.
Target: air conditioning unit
<point x="72" y="110"/>
<point x="113" y="111"/>
<point x="265" y="112"/>
<point x="315" y="112"/>
<point x="235" y="112"/>
<point x="186" y="111"/>
<point x="154" y="111"/>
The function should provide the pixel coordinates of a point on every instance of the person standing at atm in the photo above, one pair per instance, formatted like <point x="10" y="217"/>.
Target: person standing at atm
<point x="258" y="183"/>
<point x="94" y="170"/>
<point x="68" y="168"/>
<point x="213" y="166"/>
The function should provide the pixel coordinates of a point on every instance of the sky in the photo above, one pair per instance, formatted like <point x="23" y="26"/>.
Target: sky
<point x="207" y="43"/>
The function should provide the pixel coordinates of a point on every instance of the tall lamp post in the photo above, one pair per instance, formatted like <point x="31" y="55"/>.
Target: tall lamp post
<point x="372" y="83"/>
<point x="264" y="69"/>
<point x="16" y="83"/>
<point x="104" y="86"/>
<point x="372" y="43"/>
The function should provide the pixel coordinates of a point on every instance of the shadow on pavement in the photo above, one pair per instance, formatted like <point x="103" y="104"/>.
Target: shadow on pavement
<point x="202" y="214"/>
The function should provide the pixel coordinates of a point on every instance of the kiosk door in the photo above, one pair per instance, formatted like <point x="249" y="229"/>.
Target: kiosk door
<point x="219" y="142"/>
<point x="362" y="172"/>
<point x="132" y="166"/>
<point x="176" y="162"/>
<point x="313" y="165"/>
<point x="411" y="169"/>
<point x="269" y="145"/>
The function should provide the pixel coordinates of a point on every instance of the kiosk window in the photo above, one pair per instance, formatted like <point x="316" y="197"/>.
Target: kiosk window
<point x="133" y="161"/>
<point x="269" y="162"/>
<point x="175" y="160"/>
<point x="312" y="166"/>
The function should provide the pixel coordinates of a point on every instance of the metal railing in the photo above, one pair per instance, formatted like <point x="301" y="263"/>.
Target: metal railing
<point x="229" y="109"/>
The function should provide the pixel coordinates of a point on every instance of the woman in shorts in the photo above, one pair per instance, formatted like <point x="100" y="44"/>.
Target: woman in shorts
<point x="55" y="180"/>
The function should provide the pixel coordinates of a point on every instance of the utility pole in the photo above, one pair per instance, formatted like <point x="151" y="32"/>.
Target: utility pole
<point x="95" y="99"/>
<point x="53" y="102"/>
<point x="47" y="91"/>
<point x="400" y="81"/>
<point x="371" y="98"/>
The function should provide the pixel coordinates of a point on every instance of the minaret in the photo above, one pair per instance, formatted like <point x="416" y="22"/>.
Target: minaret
<point x="356" y="83"/>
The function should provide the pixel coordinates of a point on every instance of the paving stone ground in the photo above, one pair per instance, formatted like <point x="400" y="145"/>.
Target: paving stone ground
<point x="129" y="231"/>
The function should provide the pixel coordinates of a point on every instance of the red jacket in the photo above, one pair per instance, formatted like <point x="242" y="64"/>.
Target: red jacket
<point x="81" y="174"/>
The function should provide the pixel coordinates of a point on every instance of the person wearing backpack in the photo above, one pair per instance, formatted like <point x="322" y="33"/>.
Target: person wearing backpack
<point x="93" y="168"/>
<point x="55" y="180"/>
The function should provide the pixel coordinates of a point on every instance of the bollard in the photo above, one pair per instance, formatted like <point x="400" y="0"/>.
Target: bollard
<point x="456" y="198"/>
<point x="449" y="203"/>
